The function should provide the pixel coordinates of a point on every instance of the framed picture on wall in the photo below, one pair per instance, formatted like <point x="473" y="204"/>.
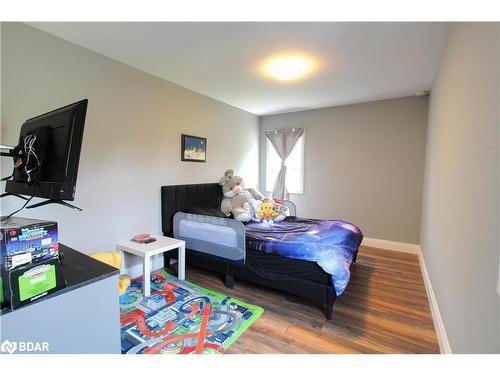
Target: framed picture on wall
<point x="193" y="148"/>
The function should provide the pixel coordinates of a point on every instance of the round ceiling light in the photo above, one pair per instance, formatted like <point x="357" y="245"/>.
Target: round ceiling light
<point x="288" y="67"/>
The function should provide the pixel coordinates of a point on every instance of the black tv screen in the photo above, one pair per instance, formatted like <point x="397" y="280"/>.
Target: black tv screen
<point x="60" y="134"/>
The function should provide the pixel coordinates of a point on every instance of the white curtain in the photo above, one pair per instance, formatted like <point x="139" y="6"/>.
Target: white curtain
<point x="283" y="141"/>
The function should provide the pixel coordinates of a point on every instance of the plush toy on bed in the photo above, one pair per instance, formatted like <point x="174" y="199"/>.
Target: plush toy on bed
<point x="269" y="212"/>
<point x="246" y="204"/>
<point x="240" y="202"/>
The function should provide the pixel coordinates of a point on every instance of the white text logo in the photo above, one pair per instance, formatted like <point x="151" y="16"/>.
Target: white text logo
<point x="23" y="346"/>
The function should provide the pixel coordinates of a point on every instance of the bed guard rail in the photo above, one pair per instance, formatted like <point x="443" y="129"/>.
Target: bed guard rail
<point x="291" y="207"/>
<point x="216" y="236"/>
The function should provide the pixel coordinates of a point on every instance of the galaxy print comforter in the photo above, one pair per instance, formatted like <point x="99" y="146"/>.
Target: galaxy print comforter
<point x="330" y="243"/>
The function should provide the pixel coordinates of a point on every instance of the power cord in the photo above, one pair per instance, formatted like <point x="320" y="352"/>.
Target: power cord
<point x="28" y="158"/>
<point x="29" y="149"/>
<point x="5" y="218"/>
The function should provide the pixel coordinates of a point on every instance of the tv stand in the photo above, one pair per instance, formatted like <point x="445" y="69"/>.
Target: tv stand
<point x="56" y="201"/>
<point x="14" y="195"/>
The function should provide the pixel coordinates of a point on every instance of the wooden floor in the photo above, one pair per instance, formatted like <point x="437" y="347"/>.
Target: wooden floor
<point x="383" y="310"/>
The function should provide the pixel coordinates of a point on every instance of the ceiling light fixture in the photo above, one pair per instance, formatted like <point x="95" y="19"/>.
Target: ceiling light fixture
<point x="288" y="67"/>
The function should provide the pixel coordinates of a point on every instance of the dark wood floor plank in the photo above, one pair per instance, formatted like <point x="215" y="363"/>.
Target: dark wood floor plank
<point x="383" y="310"/>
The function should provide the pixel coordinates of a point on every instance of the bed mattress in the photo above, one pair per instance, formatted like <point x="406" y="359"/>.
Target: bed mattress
<point x="331" y="244"/>
<point x="294" y="248"/>
<point x="268" y="266"/>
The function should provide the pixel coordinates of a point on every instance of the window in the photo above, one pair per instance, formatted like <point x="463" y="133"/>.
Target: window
<point x="294" y="170"/>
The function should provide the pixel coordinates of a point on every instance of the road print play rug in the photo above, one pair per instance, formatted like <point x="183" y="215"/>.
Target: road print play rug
<point x="181" y="317"/>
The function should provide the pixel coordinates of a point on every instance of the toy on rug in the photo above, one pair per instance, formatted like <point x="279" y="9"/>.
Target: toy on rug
<point x="271" y="211"/>
<point x="114" y="260"/>
<point x="237" y="200"/>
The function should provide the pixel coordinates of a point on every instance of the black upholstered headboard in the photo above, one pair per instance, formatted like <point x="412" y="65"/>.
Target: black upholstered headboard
<point x="183" y="198"/>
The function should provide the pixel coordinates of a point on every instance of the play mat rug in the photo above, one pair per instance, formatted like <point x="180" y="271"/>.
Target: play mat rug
<point x="180" y="317"/>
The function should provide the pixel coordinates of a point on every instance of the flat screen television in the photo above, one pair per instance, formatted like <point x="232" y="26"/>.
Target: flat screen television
<point x="56" y="154"/>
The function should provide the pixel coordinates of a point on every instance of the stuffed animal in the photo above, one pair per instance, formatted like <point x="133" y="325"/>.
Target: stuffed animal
<point x="271" y="211"/>
<point x="266" y="213"/>
<point x="114" y="260"/>
<point x="237" y="200"/>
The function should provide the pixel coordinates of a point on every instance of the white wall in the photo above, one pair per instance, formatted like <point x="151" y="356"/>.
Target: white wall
<point x="131" y="142"/>
<point x="460" y="227"/>
<point x="363" y="163"/>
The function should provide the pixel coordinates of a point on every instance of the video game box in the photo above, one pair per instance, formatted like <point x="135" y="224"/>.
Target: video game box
<point x="27" y="242"/>
<point x="26" y="284"/>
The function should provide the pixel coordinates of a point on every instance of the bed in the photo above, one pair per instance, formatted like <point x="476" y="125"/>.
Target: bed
<point x="305" y="257"/>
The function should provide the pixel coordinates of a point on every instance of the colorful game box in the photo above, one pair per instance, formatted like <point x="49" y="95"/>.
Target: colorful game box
<point x="29" y="261"/>
<point x="27" y="241"/>
<point x="26" y="284"/>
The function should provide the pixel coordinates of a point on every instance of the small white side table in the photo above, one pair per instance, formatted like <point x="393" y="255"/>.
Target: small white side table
<point x="146" y="251"/>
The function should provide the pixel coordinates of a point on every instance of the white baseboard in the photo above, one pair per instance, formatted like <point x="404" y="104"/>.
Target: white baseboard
<point x="444" y="344"/>
<point x="391" y="245"/>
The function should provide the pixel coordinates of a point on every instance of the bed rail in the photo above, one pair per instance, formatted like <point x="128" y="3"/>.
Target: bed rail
<point x="217" y="236"/>
<point x="291" y="207"/>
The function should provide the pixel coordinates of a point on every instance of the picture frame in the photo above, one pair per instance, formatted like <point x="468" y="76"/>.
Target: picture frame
<point x="193" y="148"/>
